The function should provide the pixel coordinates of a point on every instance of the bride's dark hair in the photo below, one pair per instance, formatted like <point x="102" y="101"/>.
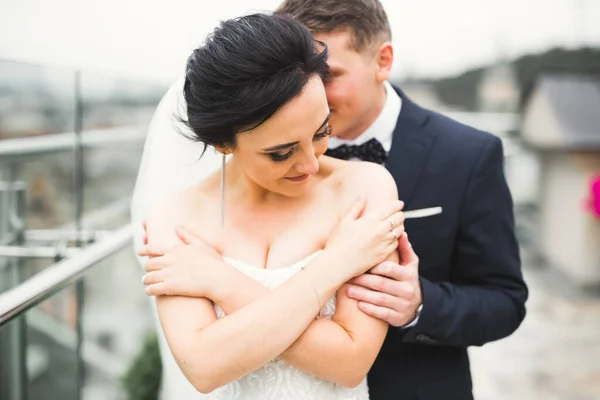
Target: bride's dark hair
<point x="247" y="69"/>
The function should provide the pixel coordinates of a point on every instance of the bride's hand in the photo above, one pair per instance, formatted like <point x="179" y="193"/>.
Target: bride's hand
<point x="191" y="268"/>
<point x="363" y="241"/>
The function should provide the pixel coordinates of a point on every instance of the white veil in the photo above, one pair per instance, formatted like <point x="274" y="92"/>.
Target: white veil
<point x="170" y="163"/>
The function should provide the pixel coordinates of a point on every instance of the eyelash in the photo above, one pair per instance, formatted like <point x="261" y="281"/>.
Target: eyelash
<point x="283" y="157"/>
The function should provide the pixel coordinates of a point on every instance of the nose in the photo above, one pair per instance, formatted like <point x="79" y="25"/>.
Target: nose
<point x="309" y="164"/>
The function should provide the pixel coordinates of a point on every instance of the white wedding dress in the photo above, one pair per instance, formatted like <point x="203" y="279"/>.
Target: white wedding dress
<point x="169" y="164"/>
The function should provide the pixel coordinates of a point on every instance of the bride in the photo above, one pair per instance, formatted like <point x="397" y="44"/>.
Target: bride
<point x="254" y="306"/>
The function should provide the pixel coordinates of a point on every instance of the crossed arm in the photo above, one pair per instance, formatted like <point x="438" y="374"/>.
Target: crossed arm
<point x="322" y="344"/>
<point x="264" y="324"/>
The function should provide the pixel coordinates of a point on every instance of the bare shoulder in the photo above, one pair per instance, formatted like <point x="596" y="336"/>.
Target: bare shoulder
<point x="369" y="179"/>
<point x="173" y="210"/>
<point x="354" y="178"/>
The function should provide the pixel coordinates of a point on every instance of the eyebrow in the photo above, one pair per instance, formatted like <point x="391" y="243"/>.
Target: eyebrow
<point x="286" y="145"/>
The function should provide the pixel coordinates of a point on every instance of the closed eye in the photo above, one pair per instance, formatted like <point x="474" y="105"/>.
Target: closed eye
<point x="324" y="134"/>
<point x="331" y="75"/>
<point x="279" y="157"/>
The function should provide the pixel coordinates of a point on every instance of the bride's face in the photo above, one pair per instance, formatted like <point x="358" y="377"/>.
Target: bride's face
<point x="281" y="155"/>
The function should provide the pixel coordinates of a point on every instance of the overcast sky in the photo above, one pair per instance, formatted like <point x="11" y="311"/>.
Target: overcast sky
<point x="151" y="39"/>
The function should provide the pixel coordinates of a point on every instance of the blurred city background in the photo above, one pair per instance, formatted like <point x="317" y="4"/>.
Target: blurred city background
<point x="79" y="82"/>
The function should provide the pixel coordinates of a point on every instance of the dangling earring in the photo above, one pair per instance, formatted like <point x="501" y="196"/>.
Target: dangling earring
<point x="223" y="190"/>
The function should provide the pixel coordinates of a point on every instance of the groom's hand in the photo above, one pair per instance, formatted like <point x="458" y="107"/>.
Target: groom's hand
<point x="389" y="291"/>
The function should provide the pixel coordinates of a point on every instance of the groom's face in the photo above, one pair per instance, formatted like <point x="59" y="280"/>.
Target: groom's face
<point x="355" y="84"/>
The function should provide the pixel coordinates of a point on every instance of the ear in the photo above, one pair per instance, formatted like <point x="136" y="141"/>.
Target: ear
<point x="384" y="59"/>
<point x="224" y="150"/>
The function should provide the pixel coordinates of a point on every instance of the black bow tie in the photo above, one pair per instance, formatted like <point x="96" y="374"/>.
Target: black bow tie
<point x="370" y="151"/>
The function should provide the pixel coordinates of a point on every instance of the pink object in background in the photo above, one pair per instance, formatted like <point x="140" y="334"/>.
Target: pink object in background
<point x="593" y="203"/>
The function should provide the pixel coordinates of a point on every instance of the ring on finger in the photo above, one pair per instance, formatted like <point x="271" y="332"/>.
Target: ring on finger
<point x="395" y="235"/>
<point x="391" y="224"/>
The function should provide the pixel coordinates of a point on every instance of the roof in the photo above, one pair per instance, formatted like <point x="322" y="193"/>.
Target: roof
<point x="574" y="101"/>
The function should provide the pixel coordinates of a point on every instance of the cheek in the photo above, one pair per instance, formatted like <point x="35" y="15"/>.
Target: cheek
<point x="269" y="172"/>
<point x="259" y="169"/>
<point x="336" y="91"/>
<point x="342" y="92"/>
<point x="320" y="147"/>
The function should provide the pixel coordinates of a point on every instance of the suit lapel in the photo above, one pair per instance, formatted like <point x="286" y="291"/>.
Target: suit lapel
<point x="411" y="145"/>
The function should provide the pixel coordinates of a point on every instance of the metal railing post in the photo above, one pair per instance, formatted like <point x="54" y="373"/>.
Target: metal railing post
<point x="13" y="338"/>
<point x="79" y="199"/>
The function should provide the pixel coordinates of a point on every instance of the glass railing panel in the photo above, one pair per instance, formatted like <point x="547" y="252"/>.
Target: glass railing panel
<point x="85" y="341"/>
<point x="35" y="100"/>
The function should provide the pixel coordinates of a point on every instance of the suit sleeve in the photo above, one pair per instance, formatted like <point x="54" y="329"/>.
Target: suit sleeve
<point x="485" y="300"/>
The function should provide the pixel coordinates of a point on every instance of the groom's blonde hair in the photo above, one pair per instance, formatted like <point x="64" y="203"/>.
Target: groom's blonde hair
<point x="366" y="20"/>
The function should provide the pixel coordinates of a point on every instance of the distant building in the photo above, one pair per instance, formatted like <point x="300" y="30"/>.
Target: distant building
<point x="561" y="121"/>
<point x="498" y="90"/>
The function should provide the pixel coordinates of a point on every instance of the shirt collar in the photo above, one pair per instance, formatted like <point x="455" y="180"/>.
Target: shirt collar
<point x="382" y="128"/>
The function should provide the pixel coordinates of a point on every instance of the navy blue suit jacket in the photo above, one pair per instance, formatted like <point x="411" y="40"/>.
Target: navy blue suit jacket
<point x="470" y="270"/>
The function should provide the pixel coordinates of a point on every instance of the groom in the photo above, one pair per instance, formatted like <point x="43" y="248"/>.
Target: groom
<point x="469" y="289"/>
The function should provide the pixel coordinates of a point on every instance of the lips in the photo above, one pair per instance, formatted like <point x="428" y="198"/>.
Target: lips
<point x="298" y="178"/>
